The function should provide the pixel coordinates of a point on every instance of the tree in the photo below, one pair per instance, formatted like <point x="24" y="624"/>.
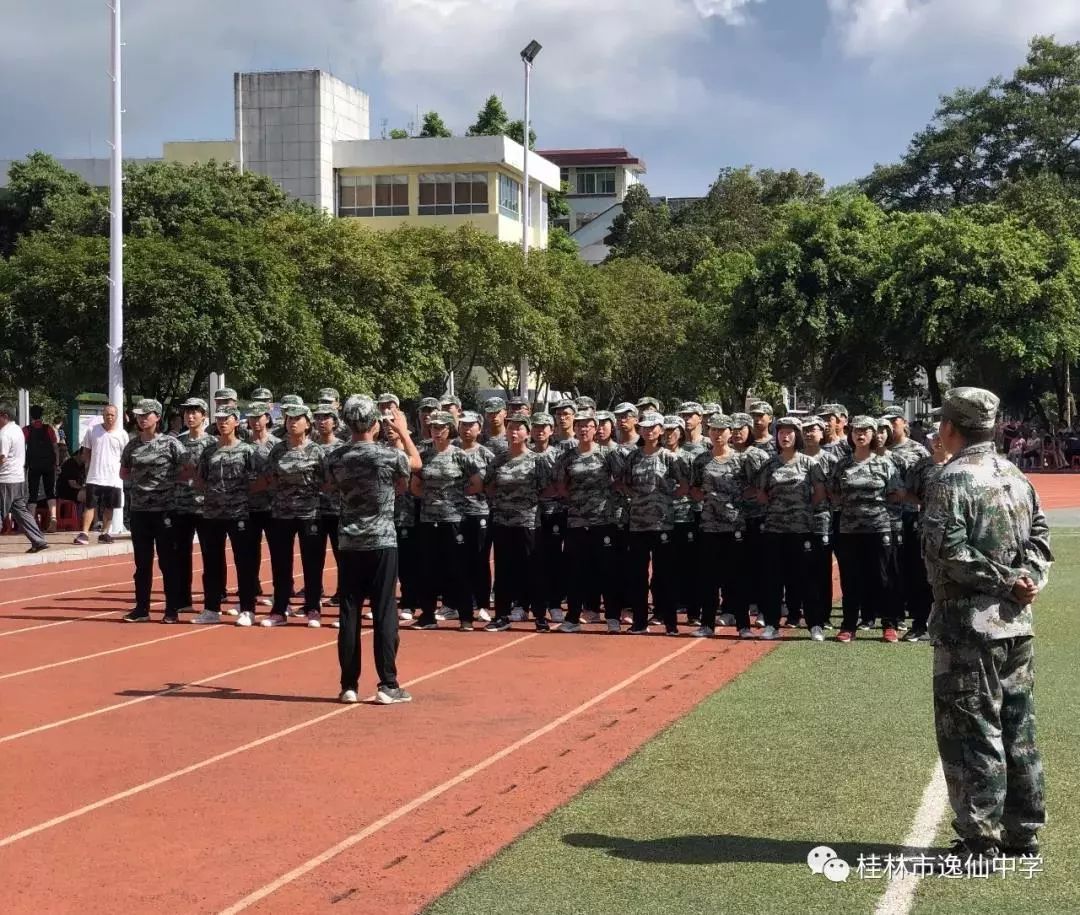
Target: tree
<point x="433" y="126"/>
<point x="645" y="231"/>
<point x="491" y="121"/>
<point x="515" y="130"/>
<point x="399" y="134"/>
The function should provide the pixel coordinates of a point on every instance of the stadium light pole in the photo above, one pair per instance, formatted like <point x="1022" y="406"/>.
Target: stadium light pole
<point x="116" y="221"/>
<point x="528" y="55"/>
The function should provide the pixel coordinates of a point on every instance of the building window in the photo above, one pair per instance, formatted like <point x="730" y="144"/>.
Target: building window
<point x="446" y="193"/>
<point x="596" y="181"/>
<point x="509" y="196"/>
<point x="564" y="176"/>
<point x="373" y="195"/>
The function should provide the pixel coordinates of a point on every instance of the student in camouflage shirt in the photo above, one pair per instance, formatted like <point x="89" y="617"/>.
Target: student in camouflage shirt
<point x="296" y="471"/>
<point x="445" y="476"/>
<point x="753" y="511"/>
<point x="262" y="443"/>
<point x="605" y="430"/>
<point x="187" y="513"/>
<point x="761" y="414"/>
<point x="225" y="473"/>
<point x="627" y="439"/>
<point x="894" y="586"/>
<point x="862" y="485"/>
<point x="906" y="453"/>
<point x="790" y="486"/>
<point x="366" y="475"/>
<point x="718" y="480"/>
<point x="562" y="436"/>
<point x="818" y="592"/>
<point x="406" y="508"/>
<point x="653" y="478"/>
<point x="514" y="483"/>
<point x="151" y="463"/>
<point x="585" y="476"/>
<point x="988" y="555"/>
<point x="494" y="437"/>
<point x="552" y="517"/>
<point x="475" y="521"/>
<point x="327" y="426"/>
<point x="688" y="514"/>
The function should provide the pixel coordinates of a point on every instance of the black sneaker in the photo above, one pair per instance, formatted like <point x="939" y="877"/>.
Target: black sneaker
<point x="465" y="627"/>
<point x="987" y="848"/>
<point x="38" y="547"/>
<point x="137" y="616"/>
<point x="1020" y="848"/>
<point x="671" y="631"/>
<point x="500" y="624"/>
<point x="171" y="617"/>
<point x="422" y="624"/>
<point x="542" y="626"/>
<point x="333" y="600"/>
<point x="391" y="695"/>
<point x="917" y="634"/>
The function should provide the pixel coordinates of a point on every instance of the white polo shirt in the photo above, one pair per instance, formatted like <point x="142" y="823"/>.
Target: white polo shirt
<point x="105" y="450"/>
<point x="13" y="448"/>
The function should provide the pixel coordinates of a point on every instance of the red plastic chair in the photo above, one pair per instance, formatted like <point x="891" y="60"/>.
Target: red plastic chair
<point x="67" y="515"/>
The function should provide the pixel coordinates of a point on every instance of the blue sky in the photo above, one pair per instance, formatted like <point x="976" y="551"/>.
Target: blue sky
<point x="689" y="85"/>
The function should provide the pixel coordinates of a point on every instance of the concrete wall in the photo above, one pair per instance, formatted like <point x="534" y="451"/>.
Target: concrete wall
<point x="192" y="152"/>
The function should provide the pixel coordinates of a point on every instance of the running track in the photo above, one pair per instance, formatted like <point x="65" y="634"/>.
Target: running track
<point x="210" y="769"/>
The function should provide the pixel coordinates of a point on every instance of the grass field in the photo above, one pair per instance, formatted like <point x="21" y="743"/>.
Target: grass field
<point x="815" y="745"/>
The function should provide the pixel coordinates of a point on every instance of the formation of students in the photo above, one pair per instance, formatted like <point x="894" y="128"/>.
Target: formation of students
<point x="628" y="518"/>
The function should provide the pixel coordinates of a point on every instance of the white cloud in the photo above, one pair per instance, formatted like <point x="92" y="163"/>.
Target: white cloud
<point x="878" y="28"/>
<point x="731" y="11"/>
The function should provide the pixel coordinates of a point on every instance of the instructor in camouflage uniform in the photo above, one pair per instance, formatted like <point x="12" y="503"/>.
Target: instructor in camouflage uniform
<point x="987" y="548"/>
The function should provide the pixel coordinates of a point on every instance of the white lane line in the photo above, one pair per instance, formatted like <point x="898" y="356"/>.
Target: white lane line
<point x="235" y="751"/>
<point x="168" y="691"/>
<point x="405" y="809"/>
<point x="94" y="567"/>
<point x="74" y="619"/>
<point x="899" y="896"/>
<point x="195" y="630"/>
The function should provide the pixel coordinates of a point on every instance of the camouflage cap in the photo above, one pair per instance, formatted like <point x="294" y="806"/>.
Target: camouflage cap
<point x="760" y="407"/>
<point x="262" y="395"/>
<point x="450" y="400"/>
<point x="970" y="408"/>
<point x="650" y="418"/>
<point x="359" y="412"/>
<point x="625" y="407"/>
<point x="894" y="413"/>
<point x="517" y="401"/>
<point x="689" y="407"/>
<point x="324" y="409"/>
<point x="442" y="418"/>
<point x="604" y="416"/>
<point x="329" y="394"/>
<point x="674" y="422"/>
<point x="145" y="406"/>
<point x="883" y="422"/>
<point x="194" y="403"/>
<point x="292" y="400"/>
<point x="293" y="410"/>
<point x="584" y="402"/>
<point x="564" y="404"/>
<point x="935" y="413"/>
<point x="585" y="415"/>
<point x="222" y="412"/>
<point x="789" y="422"/>
<point x="810" y="421"/>
<point x="494" y="405"/>
<point x="522" y="418"/>
<point x="720" y="421"/>
<point x="738" y="420"/>
<point x="645" y="403"/>
<point x="389" y="398"/>
<point x="225" y="394"/>
<point x="428" y="403"/>
<point x="470" y="416"/>
<point x="257" y="408"/>
<point x="711" y="407"/>
<point x="864" y="422"/>
<point x="543" y="419"/>
<point x="832" y="409"/>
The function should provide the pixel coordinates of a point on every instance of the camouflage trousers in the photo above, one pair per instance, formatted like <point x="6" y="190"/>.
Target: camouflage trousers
<point x="984" y="716"/>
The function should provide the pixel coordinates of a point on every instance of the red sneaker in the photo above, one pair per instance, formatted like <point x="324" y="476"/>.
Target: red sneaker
<point x="890" y="636"/>
<point x="845" y="636"/>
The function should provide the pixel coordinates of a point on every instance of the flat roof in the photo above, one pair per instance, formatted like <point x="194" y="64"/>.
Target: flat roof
<point x="612" y="155"/>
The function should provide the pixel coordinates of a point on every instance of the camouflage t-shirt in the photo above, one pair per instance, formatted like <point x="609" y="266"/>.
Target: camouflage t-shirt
<point x="686" y="509"/>
<point x="896" y="509"/>
<point x="329" y="502"/>
<point x="226" y="474"/>
<point x="562" y="445"/>
<point x="152" y="468"/>
<point x="861" y="489"/>
<point x="296" y="475"/>
<point x="516" y="485"/>
<point x="260" y="499"/>
<point x="189" y="498"/>
<point x="496" y="444"/>
<point x="753" y="511"/>
<point x="789" y="486"/>
<point x="443" y="479"/>
<point x="918" y="478"/>
<point x="905" y="457"/>
<point x="652" y="480"/>
<point x="366" y="476"/>
<point x="551" y="505"/>
<point x="477" y="505"/>
<point x="824" y="511"/>
<point x="768" y="445"/>
<point x="838" y="448"/>
<point x="588" y="479"/>
<point x="722" y="483"/>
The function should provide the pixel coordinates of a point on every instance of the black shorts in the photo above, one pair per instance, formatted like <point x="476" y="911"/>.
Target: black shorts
<point x="38" y="479"/>
<point x="102" y="497"/>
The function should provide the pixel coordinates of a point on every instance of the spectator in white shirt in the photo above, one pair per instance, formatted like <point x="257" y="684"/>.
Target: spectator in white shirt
<point x="13" y="479"/>
<point x="104" y="488"/>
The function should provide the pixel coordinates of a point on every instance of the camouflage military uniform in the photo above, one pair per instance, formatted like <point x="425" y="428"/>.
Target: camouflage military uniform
<point x="984" y="530"/>
<point x="226" y="474"/>
<point x="187" y="516"/>
<point x="917" y="482"/>
<point x="151" y="468"/>
<point x="687" y="515"/>
<point x="552" y="536"/>
<point x="259" y="501"/>
<point x="754" y="517"/>
<point x="476" y="527"/>
<point x="911" y="568"/>
<point x="330" y="504"/>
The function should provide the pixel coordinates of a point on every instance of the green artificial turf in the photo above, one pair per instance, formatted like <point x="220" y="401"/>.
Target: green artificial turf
<point x="816" y="744"/>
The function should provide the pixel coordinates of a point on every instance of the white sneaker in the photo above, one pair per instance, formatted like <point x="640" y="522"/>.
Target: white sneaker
<point x="614" y="627"/>
<point x="726" y="619"/>
<point x="247" y="618"/>
<point x="481" y="614"/>
<point x="591" y="616"/>
<point x="232" y="611"/>
<point x="404" y="615"/>
<point x="348" y="696"/>
<point x="368" y="615"/>
<point x="816" y="635"/>
<point x="556" y="614"/>
<point x="335" y="624"/>
<point x="206" y="617"/>
<point x="771" y="634"/>
<point x="746" y="633"/>
<point x="274" y="620"/>
<point x="569" y="627"/>
<point x="517" y="615"/>
<point x="447" y="613"/>
<point x="314" y="620"/>
<point x="265" y="602"/>
<point x="759" y="620"/>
